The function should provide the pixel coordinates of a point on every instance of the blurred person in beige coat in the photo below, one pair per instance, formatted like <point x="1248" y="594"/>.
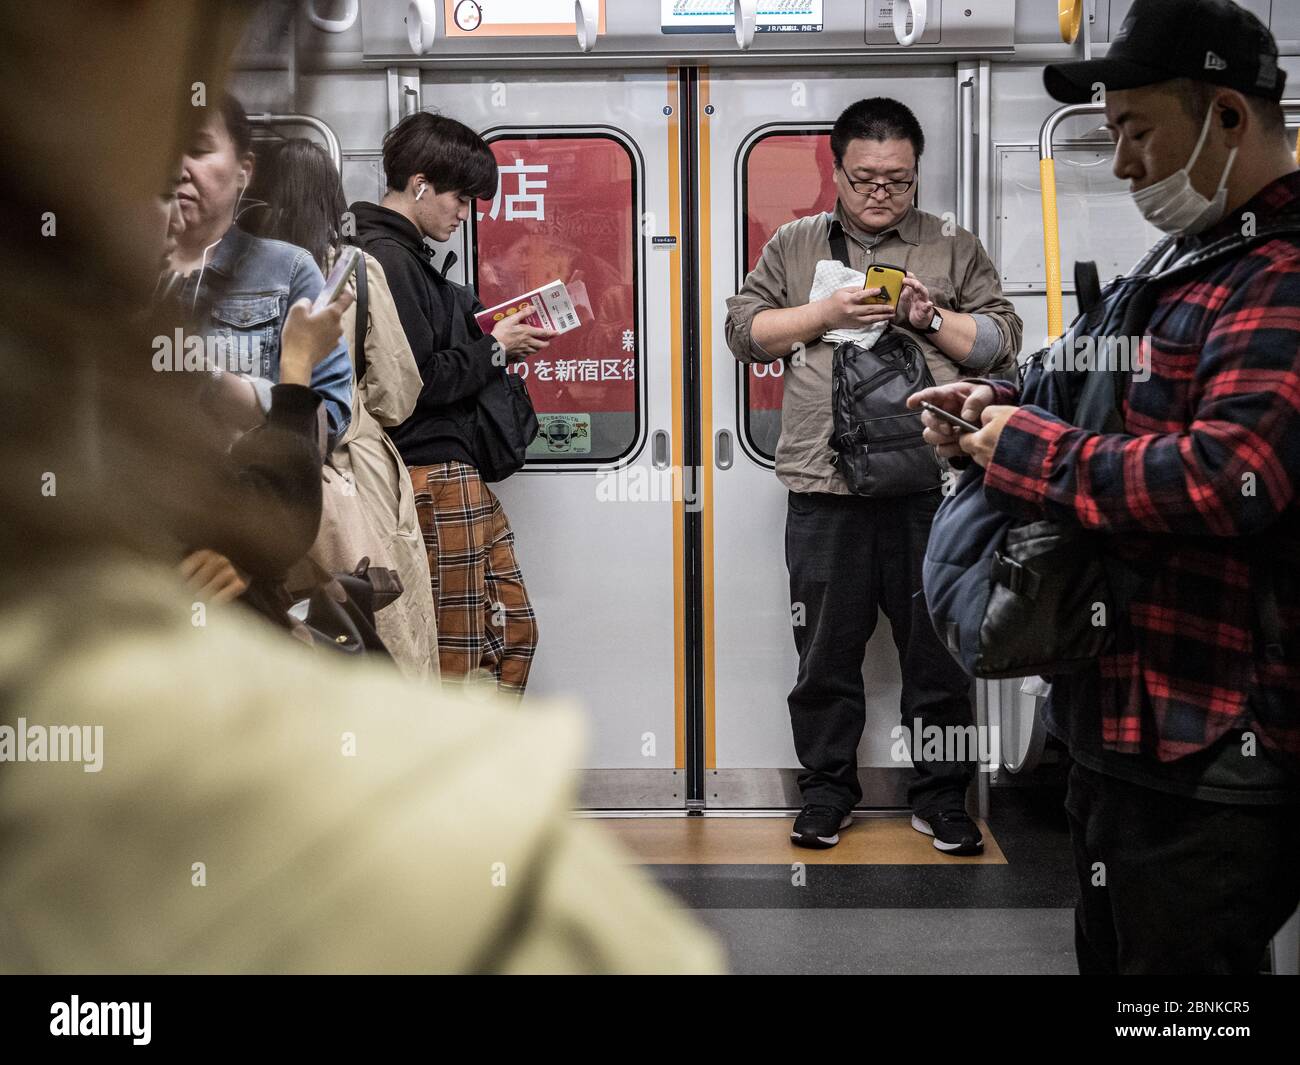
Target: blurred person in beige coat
<point x="369" y="502"/>
<point x="249" y="806"/>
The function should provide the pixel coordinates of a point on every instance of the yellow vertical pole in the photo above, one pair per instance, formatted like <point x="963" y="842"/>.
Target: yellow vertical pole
<point x="1051" y="246"/>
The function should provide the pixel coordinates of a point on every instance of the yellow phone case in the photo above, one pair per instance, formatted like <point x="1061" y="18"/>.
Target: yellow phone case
<point x="890" y="278"/>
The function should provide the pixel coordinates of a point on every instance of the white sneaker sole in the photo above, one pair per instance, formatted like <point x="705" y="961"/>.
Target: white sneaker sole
<point x="826" y="841"/>
<point x="939" y="845"/>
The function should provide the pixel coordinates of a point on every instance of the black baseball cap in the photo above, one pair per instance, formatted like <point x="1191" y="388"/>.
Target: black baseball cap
<point x="1206" y="40"/>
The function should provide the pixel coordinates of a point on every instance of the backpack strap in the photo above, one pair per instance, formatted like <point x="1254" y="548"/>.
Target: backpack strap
<point x="1098" y="408"/>
<point x="1233" y="244"/>
<point x="1087" y="285"/>
<point x="1157" y="252"/>
<point x="362" y="324"/>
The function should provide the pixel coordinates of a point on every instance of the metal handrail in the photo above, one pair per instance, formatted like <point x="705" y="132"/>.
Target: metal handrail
<point x="1051" y="220"/>
<point x="331" y="139"/>
<point x="966" y="151"/>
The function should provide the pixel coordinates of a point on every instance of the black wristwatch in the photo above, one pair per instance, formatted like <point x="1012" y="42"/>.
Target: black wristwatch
<point x="936" y="323"/>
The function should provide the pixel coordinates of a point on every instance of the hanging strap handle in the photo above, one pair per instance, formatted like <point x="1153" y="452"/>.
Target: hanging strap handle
<point x="917" y="9"/>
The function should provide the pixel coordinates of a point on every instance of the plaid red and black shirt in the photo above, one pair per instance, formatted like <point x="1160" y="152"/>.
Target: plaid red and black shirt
<point x="1208" y="467"/>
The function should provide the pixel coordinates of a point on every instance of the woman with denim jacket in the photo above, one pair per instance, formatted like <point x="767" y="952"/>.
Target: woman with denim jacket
<point x="243" y="285"/>
<point x="306" y="207"/>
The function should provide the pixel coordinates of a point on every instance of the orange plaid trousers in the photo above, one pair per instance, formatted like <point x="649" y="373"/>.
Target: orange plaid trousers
<point x="487" y="630"/>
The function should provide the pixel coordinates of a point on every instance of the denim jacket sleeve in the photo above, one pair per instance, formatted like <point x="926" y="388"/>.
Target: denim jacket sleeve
<point x="262" y="275"/>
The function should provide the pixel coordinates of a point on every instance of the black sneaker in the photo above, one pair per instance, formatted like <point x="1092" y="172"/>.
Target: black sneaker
<point x="819" y="826"/>
<point x="953" y="831"/>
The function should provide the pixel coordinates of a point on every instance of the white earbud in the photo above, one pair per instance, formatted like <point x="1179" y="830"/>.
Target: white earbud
<point x="421" y="192"/>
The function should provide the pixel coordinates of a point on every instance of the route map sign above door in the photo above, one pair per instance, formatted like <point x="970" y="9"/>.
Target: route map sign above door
<point x="719" y="16"/>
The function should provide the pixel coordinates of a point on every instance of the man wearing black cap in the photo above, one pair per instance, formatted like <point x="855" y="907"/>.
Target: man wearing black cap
<point x="1185" y="734"/>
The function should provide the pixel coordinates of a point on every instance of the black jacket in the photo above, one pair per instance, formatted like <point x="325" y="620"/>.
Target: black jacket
<point x="278" y="467"/>
<point x="454" y="357"/>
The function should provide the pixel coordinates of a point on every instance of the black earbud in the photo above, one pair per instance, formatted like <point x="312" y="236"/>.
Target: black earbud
<point x="1230" y="118"/>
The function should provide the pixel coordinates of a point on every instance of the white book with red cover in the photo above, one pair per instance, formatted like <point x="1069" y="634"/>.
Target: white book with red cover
<point x="552" y="309"/>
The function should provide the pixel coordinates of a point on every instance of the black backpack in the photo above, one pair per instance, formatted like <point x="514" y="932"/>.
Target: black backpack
<point x="1015" y="598"/>
<point x="505" y="424"/>
<point x="877" y="440"/>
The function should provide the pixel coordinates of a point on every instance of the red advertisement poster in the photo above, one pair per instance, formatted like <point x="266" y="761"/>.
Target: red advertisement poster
<point x="565" y="210"/>
<point x="787" y="176"/>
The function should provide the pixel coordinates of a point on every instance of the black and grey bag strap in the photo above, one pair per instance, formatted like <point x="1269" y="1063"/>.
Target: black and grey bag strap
<point x="838" y="242"/>
<point x="363" y="319"/>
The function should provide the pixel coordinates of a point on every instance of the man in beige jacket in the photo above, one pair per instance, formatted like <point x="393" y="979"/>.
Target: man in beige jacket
<point x="852" y="556"/>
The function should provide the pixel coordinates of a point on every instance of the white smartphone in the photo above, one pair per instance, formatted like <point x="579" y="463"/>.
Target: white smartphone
<point x="338" y="279"/>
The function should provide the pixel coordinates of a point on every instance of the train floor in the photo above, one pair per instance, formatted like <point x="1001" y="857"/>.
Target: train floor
<point x="882" y="901"/>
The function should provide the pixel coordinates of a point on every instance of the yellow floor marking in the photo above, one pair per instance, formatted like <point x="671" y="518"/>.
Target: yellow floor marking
<point x="766" y="841"/>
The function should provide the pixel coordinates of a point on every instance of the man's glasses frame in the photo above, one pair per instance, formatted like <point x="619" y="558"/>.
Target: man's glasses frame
<point x="891" y="188"/>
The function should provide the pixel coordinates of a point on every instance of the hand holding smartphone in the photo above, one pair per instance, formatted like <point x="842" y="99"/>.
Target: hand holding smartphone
<point x="889" y="279"/>
<point x="961" y="424"/>
<point x="338" y="279"/>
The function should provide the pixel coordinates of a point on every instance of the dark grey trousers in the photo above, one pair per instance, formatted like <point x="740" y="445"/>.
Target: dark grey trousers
<point x="849" y="558"/>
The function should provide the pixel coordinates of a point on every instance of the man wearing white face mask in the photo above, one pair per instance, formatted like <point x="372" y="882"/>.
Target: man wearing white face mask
<point x="1174" y="205"/>
<point x="1185" y="733"/>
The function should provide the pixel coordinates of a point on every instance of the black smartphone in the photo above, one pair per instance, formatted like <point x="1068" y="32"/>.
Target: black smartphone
<point x="951" y="419"/>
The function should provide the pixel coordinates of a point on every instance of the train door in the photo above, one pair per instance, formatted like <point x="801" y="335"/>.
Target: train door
<point x="765" y="159"/>
<point x="589" y="195"/>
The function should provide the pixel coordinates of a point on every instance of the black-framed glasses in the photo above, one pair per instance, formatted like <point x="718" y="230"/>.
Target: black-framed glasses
<point x="892" y="188"/>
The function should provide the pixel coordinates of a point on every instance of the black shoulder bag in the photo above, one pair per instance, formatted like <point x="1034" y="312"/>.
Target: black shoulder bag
<point x="877" y="441"/>
<point x="504" y="425"/>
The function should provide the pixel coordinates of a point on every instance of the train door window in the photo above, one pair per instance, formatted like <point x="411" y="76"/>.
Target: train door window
<point x="364" y="181"/>
<point x="363" y="177"/>
<point x="566" y="209"/>
<point x="1097" y="217"/>
<point x="783" y="174"/>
